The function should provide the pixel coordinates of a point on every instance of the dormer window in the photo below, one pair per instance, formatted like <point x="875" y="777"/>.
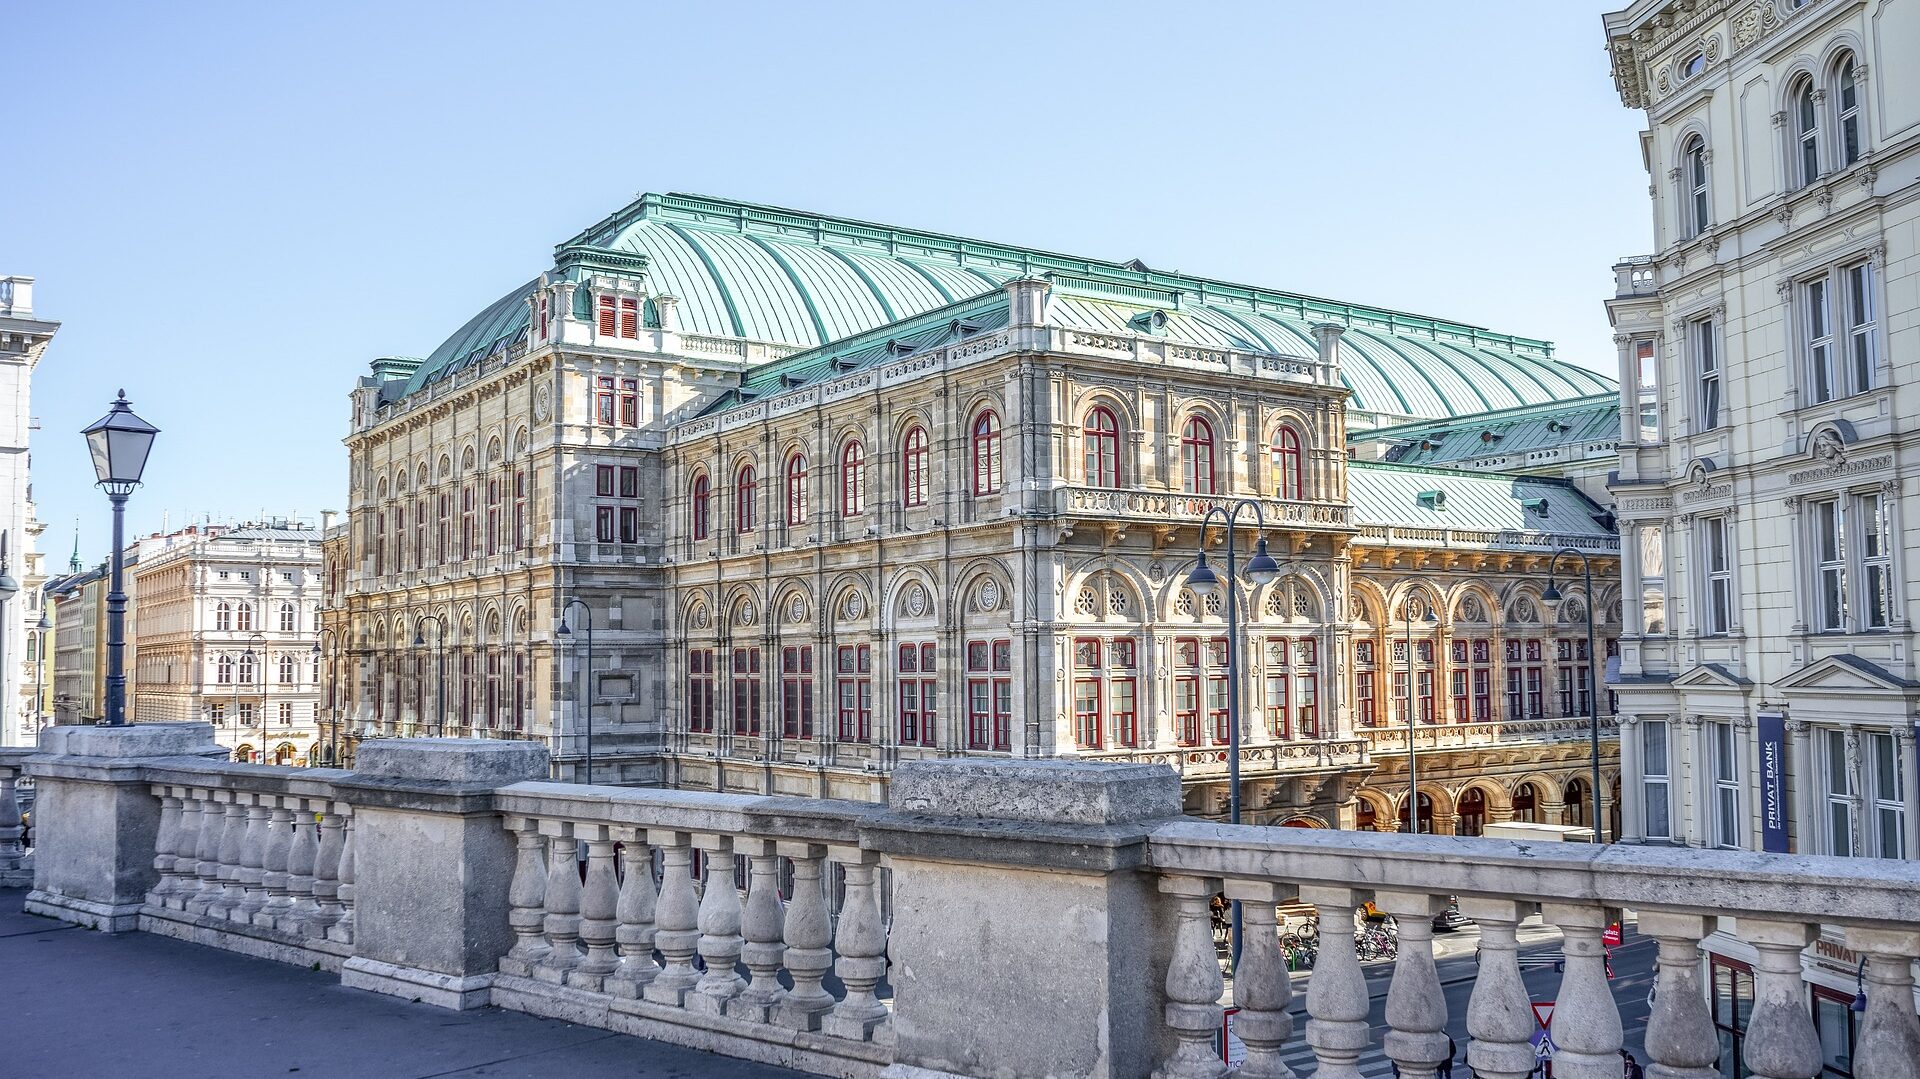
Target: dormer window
<point x="1491" y="436"/>
<point x="1535" y="506"/>
<point x="1432" y="500"/>
<point x="619" y="317"/>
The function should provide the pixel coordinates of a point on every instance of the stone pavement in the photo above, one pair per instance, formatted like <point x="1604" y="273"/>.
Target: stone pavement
<point x="86" y="1005"/>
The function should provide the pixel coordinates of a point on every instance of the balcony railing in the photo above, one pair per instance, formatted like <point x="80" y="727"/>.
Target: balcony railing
<point x="1162" y="505"/>
<point x="1511" y="539"/>
<point x="1393" y="738"/>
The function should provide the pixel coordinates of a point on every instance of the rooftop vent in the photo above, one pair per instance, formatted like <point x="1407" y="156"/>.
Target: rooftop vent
<point x="1556" y="426"/>
<point x="901" y="348"/>
<point x="1491" y="436"/>
<point x="962" y="327"/>
<point x="1433" y="500"/>
<point x="790" y="380"/>
<point x="1535" y="506"/>
<point x="1154" y="322"/>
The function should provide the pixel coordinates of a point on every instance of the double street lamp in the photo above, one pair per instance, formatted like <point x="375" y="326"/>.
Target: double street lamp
<point x="587" y="696"/>
<point x="1261" y="569"/>
<point x="1552" y="598"/>
<point x="439" y="667"/>
<point x="119" y="442"/>
<point x="8" y="586"/>
<point x="1429" y="620"/>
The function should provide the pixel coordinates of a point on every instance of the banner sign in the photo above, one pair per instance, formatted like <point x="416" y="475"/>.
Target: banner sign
<point x="1773" y="782"/>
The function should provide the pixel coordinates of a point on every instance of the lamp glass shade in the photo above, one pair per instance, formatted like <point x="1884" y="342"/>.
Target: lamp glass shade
<point x="8" y="586"/>
<point x="563" y="630"/>
<point x="1261" y="568"/>
<point x="119" y="442"/>
<point x="1552" y="599"/>
<point x="1202" y="580"/>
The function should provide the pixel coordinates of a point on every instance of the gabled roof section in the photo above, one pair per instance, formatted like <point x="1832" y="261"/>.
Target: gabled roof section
<point x="1712" y="676"/>
<point x="1398" y="495"/>
<point x="1581" y="420"/>
<point x="1846" y="674"/>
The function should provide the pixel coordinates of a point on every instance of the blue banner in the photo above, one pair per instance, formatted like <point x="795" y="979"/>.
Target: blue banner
<point x="1773" y="782"/>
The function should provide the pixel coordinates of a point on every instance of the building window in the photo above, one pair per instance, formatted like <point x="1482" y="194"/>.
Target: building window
<point x="919" y="693"/>
<point x="519" y="508"/>
<point x="1830" y="571"/>
<point x="700" y="690"/>
<point x="796" y="691"/>
<point x="379" y="543"/>
<point x="746" y="692"/>
<point x="853" y="669"/>
<point x="246" y="668"/>
<point x="603" y="400"/>
<point x="286" y="712"/>
<point x="1706" y="367"/>
<point x="697" y="514"/>
<point x="1861" y="321"/>
<point x="544" y="315"/>
<point x="603" y="523"/>
<point x="745" y="491"/>
<point x="493" y="515"/>
<point x="419" y="533"/>
<point x="629" y="402"/>
<point x="1293" y="706"/>
<point x="853" y="473"/>
<point x="1716" y="560"/>
<point x="1876" y="582"/>
<point x="1841" y="824"/>
<point x="1656" y="779"/>
<point x="990" y="695"/>
<point x="1723" y="782"/>
<point x="1574" y="676"/>
<point x="1887" y="827"/>
<point x="288" y="675"/>
<point x="1196" y="456"/>
<point x="1732" y="1004"/>
<point x="223" y="670"/>
<point x="1199" y="664"/>
<point x="1693" y="175"/>
<point x="913" y="467"/>
<point x="223" y="615"/>
<point x="1105" y="693"/>
<point x="797" y="489"/>
<point x="1100" y="442"/>
<point x="243" y="617"/>
<point x="1806" y="134"/>
<point x="986" y="453"/>
<point x="619" y="317"/>
<point x="1289" y="478"/>
<point x="1847" y="97"/>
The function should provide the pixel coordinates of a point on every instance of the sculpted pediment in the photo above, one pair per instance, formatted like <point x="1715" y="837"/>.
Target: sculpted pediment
<point x="1848" y="675"/>
<point x="1712" y="676"/>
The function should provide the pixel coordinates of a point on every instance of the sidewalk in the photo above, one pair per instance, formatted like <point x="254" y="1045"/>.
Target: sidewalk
<point x="85" y="1004"/>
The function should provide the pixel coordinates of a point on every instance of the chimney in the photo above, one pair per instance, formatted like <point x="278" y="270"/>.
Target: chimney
<point x="1027" y="301"/>
<point x="326" y="519"/>
<point x="1327" y="334"/>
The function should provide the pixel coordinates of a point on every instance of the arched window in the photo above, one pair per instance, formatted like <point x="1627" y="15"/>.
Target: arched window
<point x="746" y="488"/>
<point x="287" y="668"/>
<point x="246" y="667"/>
<point x="243" y="617"/>
<point x="697" y="512"/>
<point x="223" y="669"/>
<point x="1100" y="439"/>
<point x="1846" y="95"/>
<point x="223" y="617"/>
<point x="1196" y="456"/>
<point x="913" y="467"/>
<point x="1289" y="479"/>
<point x="853" y="475"/>
<point x="1693" y="177"/>
<point x="1806" y="134"/>
<point x="797" y="489"/>
<point x="986" y="453"/>
<point x="288" y="617"/>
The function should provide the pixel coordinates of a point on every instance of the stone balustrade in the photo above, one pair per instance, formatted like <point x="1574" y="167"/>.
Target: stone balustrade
<point x="994" y="918"/>
<point x="16" y="857"/>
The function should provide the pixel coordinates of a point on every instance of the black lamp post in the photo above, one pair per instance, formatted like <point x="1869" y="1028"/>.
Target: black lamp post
<point x="119" y="442"/>
<point x="1552" y="598"/>
<point x="40" y="670"/>
<point x="587" y="696"/>
<point x="1413" y="752"/>
<point x="260" y="668"/>
<point x="8" y="586"/>
<point x="1261" y="569"/>
<point x="439" y="667"/>
<point x="316" y="692"/>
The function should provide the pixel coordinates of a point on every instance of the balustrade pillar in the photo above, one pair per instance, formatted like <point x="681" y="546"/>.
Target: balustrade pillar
<point x="253" y="855"/>
<point x="232" y="837"/>
<point x="1416" y="1007"/>
<point x="1194" y="984"/>
<point x="634" y="910"/>
<point x="1262" y="989"/>
<point x="599" y="900"/>
<point x="1337" y="998"/>
<point x="326" y="873"/>
<point x="1500" y="1021"/>
<point x="186" y="847"/>
<point x="527" y="898"/>
<point x="273" y="866"/>
<point x="719" y="923"/>
<point x="341" y="931"/>
<point x="303" y="849"/>
<point x="764" y="949"/>
<point x="206" y="867"/>
<point x="1888" y="1043"/>
<point x="860" y="939"/>
<point x="13" y="848"/>
<point x="1586" y="1021"/>
<point x="676" y="920"/>
<point x="808" y="932"/>
<point x="1781" y="1042"/>
<point x="164" y="841"/>
<point x="1681" y="1041"/>
<point x="563" y="903"/>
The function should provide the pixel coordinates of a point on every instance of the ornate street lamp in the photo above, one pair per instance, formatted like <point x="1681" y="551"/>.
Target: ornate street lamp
<point x="8" y="586"/>
<point x="1429" y="620"/>
<point x="439" y="666"/>
<point x="1261" y="569"/>
<point x="119" y="442"/>
<point x="587" y="697"/>
<point x="1552" y="598"/>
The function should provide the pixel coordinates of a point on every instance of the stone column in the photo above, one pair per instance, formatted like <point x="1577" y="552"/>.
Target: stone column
<point x="1680" y="1040"/>
<point x="423" y="816"/>
<point x="1416" y="1008"/>
<point x="96" y="819"/>
<point x="1033" y="870"/>
<point x="1888" y="1044"/>
<point x="1781" y="1041"/>
<point x="1337" y="999"/>
<point x="1498" y="1020"/>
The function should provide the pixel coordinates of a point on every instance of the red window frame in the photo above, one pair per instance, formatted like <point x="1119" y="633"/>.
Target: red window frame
<point x="603" y="524"/>
<point x="853" y="668"/>
<point x="796" y="692"/>
<point x="1363" y="699"/>
<point x="603" y="400"/>
<point x="420" y="532"/>
<point x="700" y="690"/>
<point x="1123" y="691"/>
<point x="629" y="524"/>
<point x="1290" y="478"/>
<point x="467" y="533"/>
<point x="1100" y="444"/>
<point x="629" y="402"/>
<point x="603" y="480"/>
<point x="915" y="663"/>
<point x="629" y="317"/>
<point x="493" y="515"/>
<point x="797" y="489"/>
<point x="986" y="453"/>
<point x="629" y="481"/>
<point x="519" y="508"/>
<point x="697" y="508"/>
<point x="853" y="474"/>
<point x="746" y="692"/>
<point x="1196" y="456"/>
<point x="989" y="694"/>
<point x="1088" y="709"/>
<point x="913" y="467"/>
<point x="379" y="543"/>
<point x="609" y="318"/>
<point x="746" y="488"/>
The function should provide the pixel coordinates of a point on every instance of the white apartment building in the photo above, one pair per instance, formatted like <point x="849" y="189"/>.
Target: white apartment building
<point x="23" y="339"/>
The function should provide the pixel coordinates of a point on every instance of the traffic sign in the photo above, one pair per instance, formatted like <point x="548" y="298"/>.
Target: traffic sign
<point x="1543" y="1013"/>
<point x="1543" y="1047"/>
<point x="1611" y="938"/>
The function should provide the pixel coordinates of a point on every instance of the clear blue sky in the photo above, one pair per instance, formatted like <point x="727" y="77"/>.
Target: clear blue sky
<point x="233" y="207"/>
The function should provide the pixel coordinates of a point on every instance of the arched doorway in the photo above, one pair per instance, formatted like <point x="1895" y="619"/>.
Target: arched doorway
<point x="285" y="754"/>
<point x="1577" y="804"/>
<point x="1364" y="817"/>
<point x="1472" y="819"/>
<point x="243" y="755"/>
<point x="1301" y="822"/>
<point x="1526" y="804"/>
<point x="1426" y="815"/>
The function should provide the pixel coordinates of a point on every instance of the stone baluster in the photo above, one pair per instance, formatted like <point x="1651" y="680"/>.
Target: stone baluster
<point x="303" y="849"/>
<point x="164" y="839"/>
<point x="1500" y="1019"/>
<point x="860" y="940"/>
<point x="808" y="933"/>
<point x="326" y="873"/>
<point x="206" y="867"/>
<point x="341" y="931"/>
<point x="273" y="867"/>
<point x="232" y="838"/>
<point x="719" y="923"/>
<point x="1193" y="985"/>
<point x="1781" y="1042"/>
<point x="760" y="926"/>
<point x="13" y="849"/>
<point x="1888" y="1043"/>
<point x="1416" y="1007"/>
<point x="563" y="903"/>
<point x="676" y="919"/>
<point x="1262" y="989"/>
<point x="527" y="898"/>
<point x="1337" y="1000"/>
<point x="186" y="850"/>
<point x="1681" y="1042"/>
<point x="1587" y="1034"/>
<point x="634" y="909"/>
<point x="599" y="899"/>
<point x="253" y="860"/>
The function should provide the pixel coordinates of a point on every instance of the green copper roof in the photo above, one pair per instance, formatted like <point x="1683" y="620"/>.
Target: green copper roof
<point x="1384" y="494"/>
<point x="774" y="275"/>
<point x="1594" y="418"/>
